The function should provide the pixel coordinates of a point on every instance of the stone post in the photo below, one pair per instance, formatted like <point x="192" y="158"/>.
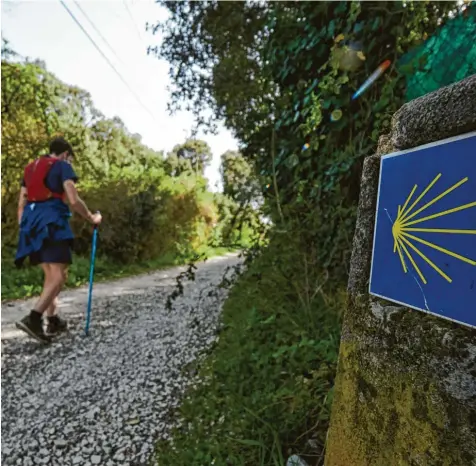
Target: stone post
<point x="405" y="390"/>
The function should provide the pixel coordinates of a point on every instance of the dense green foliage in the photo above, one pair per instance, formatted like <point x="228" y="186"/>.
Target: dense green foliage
<point x="276" y="69"/>
<point x="193" y="155"/>
<point x="238" y="178"/>
<point x="277" y="72"/>
<point x="242" y="195"/>
<point x="268" y="379"/>
<point x="153" y="212"/>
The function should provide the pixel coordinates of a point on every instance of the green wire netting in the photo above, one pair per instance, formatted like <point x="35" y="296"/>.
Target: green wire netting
<point x="445" y="58"/>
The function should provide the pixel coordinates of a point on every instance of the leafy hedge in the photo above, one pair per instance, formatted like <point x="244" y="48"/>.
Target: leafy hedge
<point x="150" y="212"/>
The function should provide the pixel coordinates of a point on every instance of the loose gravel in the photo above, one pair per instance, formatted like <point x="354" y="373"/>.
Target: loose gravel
<point x="106" y="399"/>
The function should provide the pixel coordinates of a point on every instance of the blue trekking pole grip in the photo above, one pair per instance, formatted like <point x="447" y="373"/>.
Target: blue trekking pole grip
<point x="91" y="278"/>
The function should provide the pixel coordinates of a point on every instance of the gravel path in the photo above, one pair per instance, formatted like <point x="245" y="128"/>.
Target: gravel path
<point x="106" y="399"/>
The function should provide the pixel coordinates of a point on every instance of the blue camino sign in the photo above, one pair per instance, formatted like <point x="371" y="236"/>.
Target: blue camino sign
<point x="424" y="251"/>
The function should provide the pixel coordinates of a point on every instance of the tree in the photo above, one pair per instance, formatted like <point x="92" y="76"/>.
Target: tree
<point x="272" y="71"/>
<point x="26" y="124"/>
<point x="251" y="62"/>
<point x="214" y="50"/>
<point x="238" y="177"/>
<point x="175" y="166"/>
<point x="242" y="194"/>
<point x="7" y="52"/>
<point x="193" y="155"/>
<point x="36" y="106"/>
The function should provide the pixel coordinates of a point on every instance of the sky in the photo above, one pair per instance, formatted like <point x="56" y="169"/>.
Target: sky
<point x="44" y="29"/>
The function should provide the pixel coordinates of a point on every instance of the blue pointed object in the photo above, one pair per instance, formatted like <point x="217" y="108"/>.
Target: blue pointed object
<point x="91" y="278"/>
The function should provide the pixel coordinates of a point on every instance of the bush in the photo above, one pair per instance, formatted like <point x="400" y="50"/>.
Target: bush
<point x="149" y="216"/>
<point x="144" y="219"/>
<point x="127" y="214"/>
<point x="267" y="387"/>
<point x="148" y="222"/>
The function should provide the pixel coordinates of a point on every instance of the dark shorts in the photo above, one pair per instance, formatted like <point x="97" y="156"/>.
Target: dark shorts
<point x="53" y="252"/>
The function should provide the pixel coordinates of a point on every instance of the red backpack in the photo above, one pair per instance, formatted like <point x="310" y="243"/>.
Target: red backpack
<point x="35" y="175"/>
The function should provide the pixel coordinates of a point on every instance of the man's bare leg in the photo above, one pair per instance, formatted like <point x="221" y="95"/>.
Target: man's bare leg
<point x="54" y="323"/>
<point x="51" y="309"/>
<point x="55" y="277"/>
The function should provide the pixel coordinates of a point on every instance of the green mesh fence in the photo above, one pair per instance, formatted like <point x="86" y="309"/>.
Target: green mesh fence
<point x="443" y="59"/>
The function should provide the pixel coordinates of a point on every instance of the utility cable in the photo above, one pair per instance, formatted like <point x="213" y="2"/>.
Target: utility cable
<point x="133" y="21"/>
<point x="99" y="33"/>
<point x="107" y="60"/>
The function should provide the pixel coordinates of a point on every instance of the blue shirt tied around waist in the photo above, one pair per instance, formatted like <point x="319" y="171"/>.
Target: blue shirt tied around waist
<point x="47" y="220"/>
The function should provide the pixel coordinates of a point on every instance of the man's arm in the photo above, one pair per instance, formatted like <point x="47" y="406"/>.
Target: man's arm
<point x="76" y="203"/>
<point x="22" y="200"/>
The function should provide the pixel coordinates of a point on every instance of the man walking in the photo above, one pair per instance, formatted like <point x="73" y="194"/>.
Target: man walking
<point x="45" y="234"/>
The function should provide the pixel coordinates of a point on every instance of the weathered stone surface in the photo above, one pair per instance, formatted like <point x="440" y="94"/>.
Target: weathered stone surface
<point x="362" y="247"/>
<point x="385" y="145"/>
<point x="405" y="391"/>
<point x="446" y="112"/>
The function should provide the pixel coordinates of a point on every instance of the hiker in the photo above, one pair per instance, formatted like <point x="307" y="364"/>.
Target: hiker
<point x="55" y="323"/>
<point x="45" y="234"/>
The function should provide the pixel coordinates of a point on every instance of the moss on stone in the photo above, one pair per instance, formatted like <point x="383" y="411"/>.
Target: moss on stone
<point x="389" y="416"/>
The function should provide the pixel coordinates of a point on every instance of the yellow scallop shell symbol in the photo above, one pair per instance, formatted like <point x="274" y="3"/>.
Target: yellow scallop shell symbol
<point x="406" y="227"/>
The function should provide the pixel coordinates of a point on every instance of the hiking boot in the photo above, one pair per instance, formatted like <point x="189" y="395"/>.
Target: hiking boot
<point x="33" y="326"/>
<point x="56" y="325"/>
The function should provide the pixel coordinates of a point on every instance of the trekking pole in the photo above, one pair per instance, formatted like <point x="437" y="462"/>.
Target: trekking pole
<point x="91" y="277"/>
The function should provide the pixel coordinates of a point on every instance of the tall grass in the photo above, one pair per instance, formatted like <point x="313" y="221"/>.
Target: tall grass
<point x="266" y="388"/>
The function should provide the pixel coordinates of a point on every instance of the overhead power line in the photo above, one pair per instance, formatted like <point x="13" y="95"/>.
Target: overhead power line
<point x="107" y="60"/>
<point x="133" y="21"/>
<point x="99" y="32"/>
